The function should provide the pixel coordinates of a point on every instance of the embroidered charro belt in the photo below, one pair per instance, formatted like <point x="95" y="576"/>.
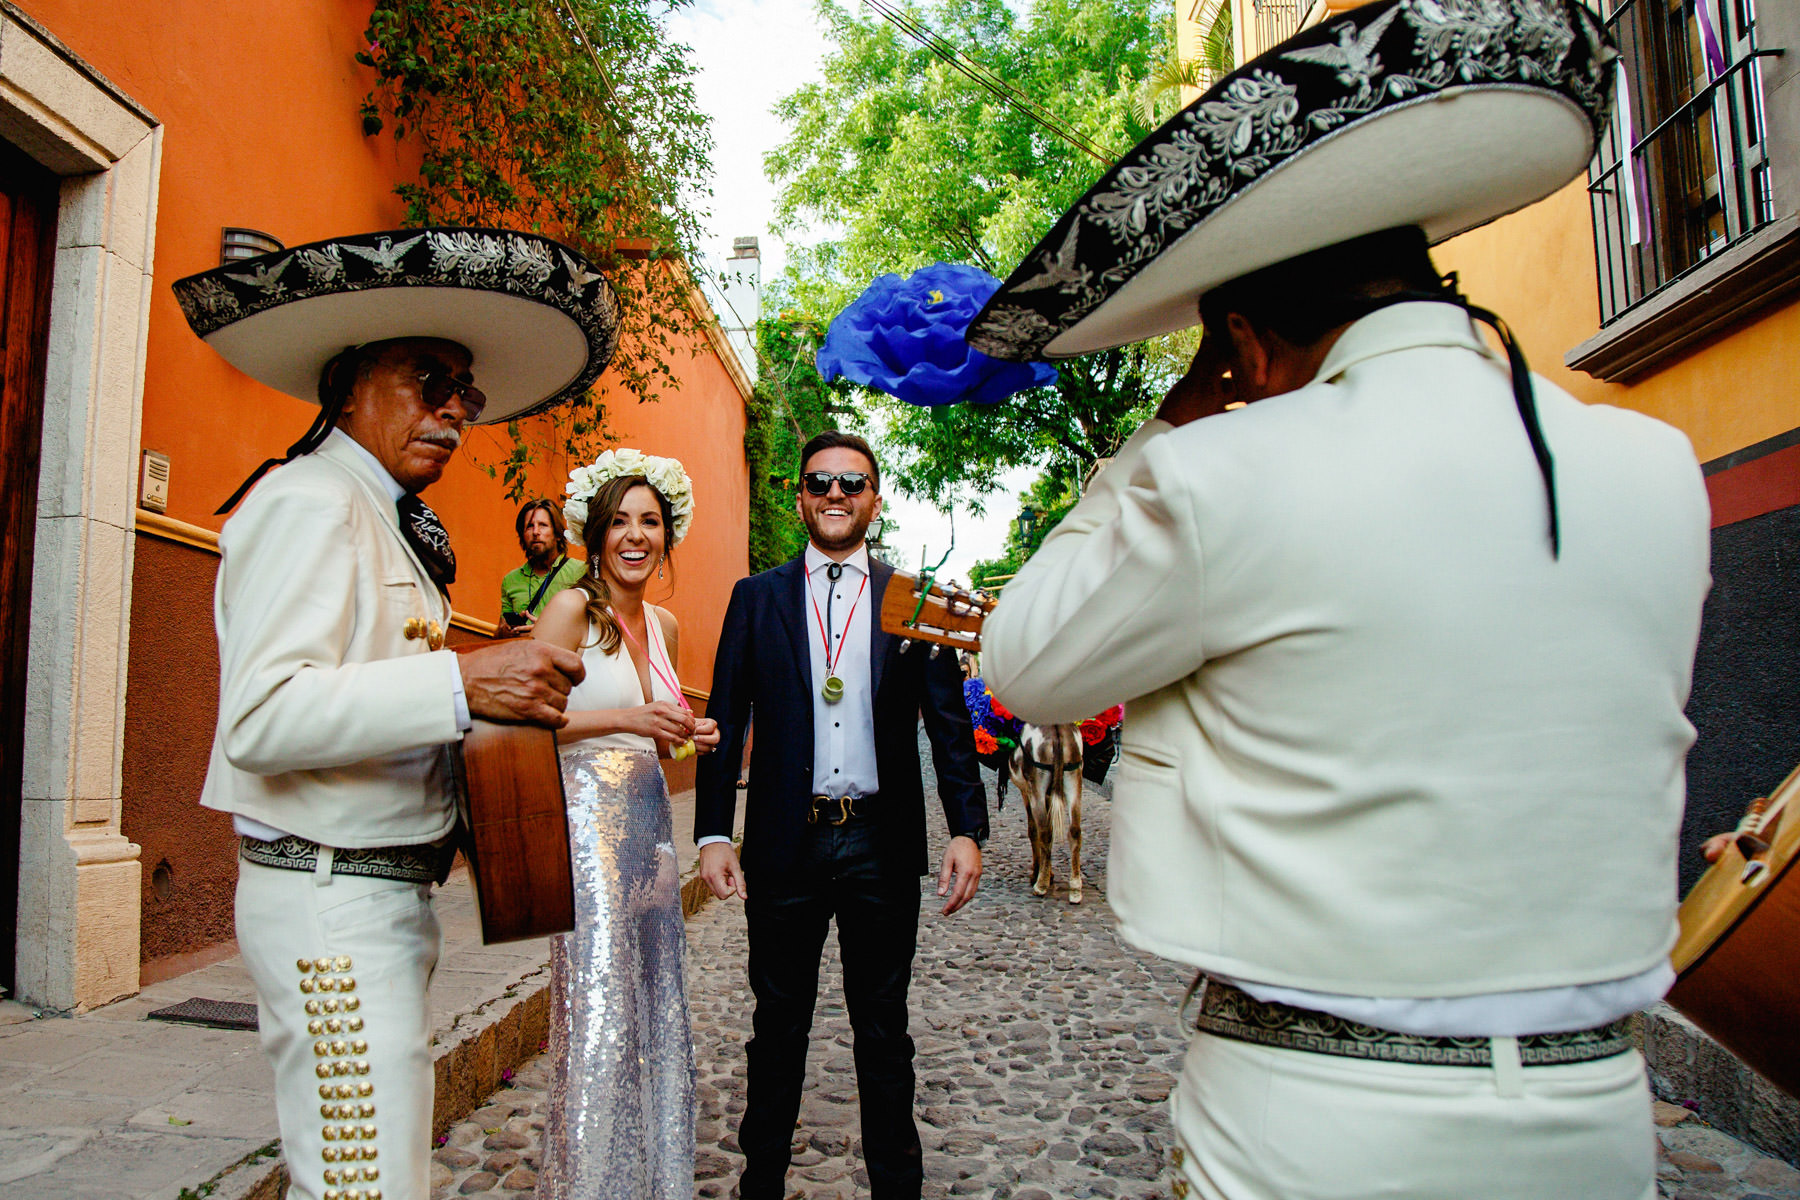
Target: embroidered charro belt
<point x="409" y="864"/>
<point x="1231" y="1012"/>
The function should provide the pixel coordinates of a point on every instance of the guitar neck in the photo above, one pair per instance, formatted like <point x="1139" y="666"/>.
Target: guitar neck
<point x="947" y="618"/>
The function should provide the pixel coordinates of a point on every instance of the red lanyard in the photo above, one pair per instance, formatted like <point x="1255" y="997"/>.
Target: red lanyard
<point x="832" y="660"/>
<point x="669" y="681"/>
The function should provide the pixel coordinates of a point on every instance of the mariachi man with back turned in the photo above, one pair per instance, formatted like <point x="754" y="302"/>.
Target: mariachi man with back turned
<point x="1405" y="641"/>
<point x="338" y="704"/>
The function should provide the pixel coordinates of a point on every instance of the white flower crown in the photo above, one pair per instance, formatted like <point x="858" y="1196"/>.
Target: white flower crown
<point x="666" y="475"/>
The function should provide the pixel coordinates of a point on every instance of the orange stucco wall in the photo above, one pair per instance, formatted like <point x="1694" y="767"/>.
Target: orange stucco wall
<point x="274" y="143"/>
<point x="260" y="129"/>
<point x="1536" y="269"/>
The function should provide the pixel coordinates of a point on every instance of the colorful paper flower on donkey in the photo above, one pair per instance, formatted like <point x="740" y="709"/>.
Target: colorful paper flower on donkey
<point x="1094" y="729"/>
<point x="996" y="730"/>
<point x="905" y="337"/>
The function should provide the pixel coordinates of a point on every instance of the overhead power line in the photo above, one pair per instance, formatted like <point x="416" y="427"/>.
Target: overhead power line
<point x="986" y="79"/>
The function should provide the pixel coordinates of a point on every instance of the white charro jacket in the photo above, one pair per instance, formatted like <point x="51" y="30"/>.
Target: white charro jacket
<point x="332" y="723"/>
<point x="1378" y="742"/>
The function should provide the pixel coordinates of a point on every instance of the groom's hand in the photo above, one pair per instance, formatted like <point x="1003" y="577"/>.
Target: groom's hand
<point x="720" y="868"/>
<point x="960" y="874"/>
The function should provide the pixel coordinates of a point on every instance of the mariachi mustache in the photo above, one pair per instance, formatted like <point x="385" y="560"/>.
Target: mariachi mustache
<point x="442" y="437"/>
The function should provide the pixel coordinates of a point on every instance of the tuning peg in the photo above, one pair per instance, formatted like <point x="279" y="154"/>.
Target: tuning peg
<point x="934" y="650"/>
<point x="905" y="645"/>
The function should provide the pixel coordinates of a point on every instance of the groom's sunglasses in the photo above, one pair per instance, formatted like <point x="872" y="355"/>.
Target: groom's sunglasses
<point x="819" y="482"/>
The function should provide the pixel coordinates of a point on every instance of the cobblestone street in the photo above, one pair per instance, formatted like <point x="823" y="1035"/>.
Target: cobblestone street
<point x="1046" y="1048"/>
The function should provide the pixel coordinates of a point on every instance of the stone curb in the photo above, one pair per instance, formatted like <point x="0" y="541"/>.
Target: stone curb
<point x="1690" y="1069"/>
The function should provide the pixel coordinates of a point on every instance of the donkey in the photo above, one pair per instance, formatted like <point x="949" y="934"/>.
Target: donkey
<point x="1046" y="767"/>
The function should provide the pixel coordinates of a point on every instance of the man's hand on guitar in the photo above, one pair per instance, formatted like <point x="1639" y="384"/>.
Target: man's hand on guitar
<point x="720" y="868"/>
<point x="520" y="680"/>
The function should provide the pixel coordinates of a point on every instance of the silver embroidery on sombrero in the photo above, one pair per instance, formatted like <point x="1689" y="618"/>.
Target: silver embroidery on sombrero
<point x="490" y="260"/>
<point x="1265" y="114"/>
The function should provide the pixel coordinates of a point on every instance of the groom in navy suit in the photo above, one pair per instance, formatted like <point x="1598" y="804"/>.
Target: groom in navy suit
<point x="834" y="822"/>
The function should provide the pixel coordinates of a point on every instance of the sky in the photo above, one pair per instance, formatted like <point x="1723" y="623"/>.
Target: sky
<point x="750" y="53"/>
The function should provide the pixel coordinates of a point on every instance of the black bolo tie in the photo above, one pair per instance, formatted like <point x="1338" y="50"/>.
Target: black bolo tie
<point x="834" y="572"/>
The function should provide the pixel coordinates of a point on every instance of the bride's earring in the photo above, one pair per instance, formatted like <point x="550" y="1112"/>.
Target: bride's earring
<point x="659" y="565"/>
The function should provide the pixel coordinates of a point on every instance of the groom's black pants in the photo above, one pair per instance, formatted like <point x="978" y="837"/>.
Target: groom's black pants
<point x="839" y="874"/>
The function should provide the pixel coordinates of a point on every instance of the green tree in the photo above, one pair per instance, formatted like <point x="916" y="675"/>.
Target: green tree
<point x="1162" y="92"/>
<point x="790" y="404"/>
<point x="1049" y="499"/>
<point x="910" y="161"/>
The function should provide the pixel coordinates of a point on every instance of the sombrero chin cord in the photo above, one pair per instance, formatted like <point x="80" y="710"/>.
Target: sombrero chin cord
<point x="1523" y="395"/>
<point x="331" y="407"/>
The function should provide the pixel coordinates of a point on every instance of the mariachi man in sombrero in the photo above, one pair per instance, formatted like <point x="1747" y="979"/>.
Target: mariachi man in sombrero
<point x="338" y="702"/>
<point x="1406" y="639"/>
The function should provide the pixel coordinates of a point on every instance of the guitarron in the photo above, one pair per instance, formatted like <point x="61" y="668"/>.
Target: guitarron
<point x="1740" y="938"/>
<point x="515" y="831"/>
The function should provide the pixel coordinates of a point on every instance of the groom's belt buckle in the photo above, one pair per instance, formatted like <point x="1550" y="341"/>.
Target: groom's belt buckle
<point x="823" y="808"/>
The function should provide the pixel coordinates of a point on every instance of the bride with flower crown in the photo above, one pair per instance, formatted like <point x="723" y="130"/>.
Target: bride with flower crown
<point x="620" y="1124"/>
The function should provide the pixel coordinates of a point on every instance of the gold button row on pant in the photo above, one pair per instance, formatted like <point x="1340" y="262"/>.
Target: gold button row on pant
<point x="325" y="1049"/>
<point x="332" y="1004"/>
<point x="330" y="975"/>
<point x="333" y="1154"/>
<point x="342" y="1066"/>
<point x="346" y="1112"/>
<point x="352" y="1175"/>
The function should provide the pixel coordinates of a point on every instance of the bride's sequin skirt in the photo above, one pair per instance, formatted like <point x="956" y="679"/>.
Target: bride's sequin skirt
<point x="620" y="1123"/>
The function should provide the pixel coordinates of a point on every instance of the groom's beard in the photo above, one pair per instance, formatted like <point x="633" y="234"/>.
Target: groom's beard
<point x="849" y="538"/>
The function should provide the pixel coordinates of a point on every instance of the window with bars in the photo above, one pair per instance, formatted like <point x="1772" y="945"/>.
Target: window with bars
<point x="1683" y="170"/>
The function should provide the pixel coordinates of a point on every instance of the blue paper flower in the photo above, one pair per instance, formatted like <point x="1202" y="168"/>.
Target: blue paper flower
<point x="905" y="337"/>
<point x="975" y="697"/>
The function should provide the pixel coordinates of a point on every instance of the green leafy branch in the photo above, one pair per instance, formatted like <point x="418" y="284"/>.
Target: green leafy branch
<point x="574" y="118"/>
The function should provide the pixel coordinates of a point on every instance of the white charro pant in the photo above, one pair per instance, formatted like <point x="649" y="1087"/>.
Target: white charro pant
<point x="1257" y="1122"/>
<point x="349" y="1040"/>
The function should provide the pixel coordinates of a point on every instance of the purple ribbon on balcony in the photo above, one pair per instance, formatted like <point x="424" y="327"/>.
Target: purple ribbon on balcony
<point x="1631" y="170"/>
<point x="1711" y="48"/>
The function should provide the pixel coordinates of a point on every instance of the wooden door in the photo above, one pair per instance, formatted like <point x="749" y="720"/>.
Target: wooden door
<point x="27" y="241"/>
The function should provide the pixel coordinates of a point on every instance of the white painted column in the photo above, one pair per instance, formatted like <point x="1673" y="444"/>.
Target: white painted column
<point x="80" y="880"/>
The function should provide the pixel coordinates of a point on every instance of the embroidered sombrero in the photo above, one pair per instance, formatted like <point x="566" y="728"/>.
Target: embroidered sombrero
<point x="1443" y="114"/>
<point x="539" y="320"/>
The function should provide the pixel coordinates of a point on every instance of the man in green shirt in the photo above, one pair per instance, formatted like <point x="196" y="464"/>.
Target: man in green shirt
<point x="547" y="570"/>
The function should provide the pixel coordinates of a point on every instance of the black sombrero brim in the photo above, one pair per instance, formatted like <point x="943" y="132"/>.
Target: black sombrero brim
<point x="1444" y="114"/>
<point x="539" y="321"/>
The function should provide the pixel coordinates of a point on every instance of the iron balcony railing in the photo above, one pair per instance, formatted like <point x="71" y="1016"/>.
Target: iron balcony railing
<point x="1276" y="20"/>
<point x="1668" y="197"/>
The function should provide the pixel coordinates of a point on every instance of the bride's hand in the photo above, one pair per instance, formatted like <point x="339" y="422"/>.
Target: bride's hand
<point x="706" y="735"/>
<point x="662" y="721"/>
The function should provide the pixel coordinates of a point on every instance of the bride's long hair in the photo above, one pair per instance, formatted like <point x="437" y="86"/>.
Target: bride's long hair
<point x="601" y="511"/>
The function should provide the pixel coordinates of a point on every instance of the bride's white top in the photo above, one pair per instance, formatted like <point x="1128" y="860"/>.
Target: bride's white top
<point x="612" y="682"/>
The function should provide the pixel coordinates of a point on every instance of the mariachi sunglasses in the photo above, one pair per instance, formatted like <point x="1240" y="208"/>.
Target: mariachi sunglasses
<point x="439" y="387"/>
<point x="819" y="482"/>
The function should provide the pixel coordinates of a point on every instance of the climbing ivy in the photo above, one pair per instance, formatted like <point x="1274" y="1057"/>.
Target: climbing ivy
<point x="575" y="118"/>
<point x="791" y="404"/>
